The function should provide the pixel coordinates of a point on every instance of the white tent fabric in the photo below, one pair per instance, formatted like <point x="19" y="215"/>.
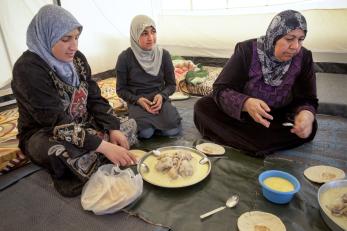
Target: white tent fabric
<point x="5" y="70"/>
<point x="15" y="16"/>
<point x="216" y="36"/>
<point x="106" y="26"/>
<point x="106" y="30"/>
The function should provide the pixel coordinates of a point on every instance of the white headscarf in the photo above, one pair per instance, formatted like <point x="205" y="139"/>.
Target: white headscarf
<point x="47" y="27"/>
<point x="150" y="60"/>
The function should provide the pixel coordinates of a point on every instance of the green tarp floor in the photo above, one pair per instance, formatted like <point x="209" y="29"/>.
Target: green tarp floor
<point x="33" y="204"/>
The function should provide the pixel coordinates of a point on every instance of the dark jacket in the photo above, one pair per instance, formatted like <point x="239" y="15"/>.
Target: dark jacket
<point x="43" y="101"/>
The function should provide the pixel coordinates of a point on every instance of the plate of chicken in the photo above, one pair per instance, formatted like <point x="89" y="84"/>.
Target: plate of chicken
<point x="174" y="167"/>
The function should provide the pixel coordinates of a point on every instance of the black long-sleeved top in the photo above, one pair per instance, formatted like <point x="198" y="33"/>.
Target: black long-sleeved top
<point x="63" y="111"/>
<point x="242" y="78"/>
<point x="133" y="82"/>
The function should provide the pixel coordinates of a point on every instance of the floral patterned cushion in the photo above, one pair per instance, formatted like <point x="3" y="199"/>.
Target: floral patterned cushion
<point x="108" y="91"/>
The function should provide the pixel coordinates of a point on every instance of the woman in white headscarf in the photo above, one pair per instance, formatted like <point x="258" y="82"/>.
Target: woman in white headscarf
<point x="64" y="121"/>
<point x="145" y="80"/>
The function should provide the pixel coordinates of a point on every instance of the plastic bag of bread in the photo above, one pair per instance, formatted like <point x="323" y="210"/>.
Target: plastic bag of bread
<point x="110" y="189"/>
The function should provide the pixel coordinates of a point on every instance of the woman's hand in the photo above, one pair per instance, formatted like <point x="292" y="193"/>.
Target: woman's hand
<point x="303" y="124"/>
<point x="151" y="107"/>
<point x="258" y="110"/>
<point x="117" y="137"/>
<point x="116" y="154"/>
<point x="157" y="103"/>
<point x="144" y="103"/>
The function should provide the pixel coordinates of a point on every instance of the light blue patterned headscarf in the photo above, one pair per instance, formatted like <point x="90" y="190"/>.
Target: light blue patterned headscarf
<point x="47" y="27"/>
<point x="284" y="22"/>
<point x="150" y="60"/>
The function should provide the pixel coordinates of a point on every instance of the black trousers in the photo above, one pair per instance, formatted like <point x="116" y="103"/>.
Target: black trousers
<point x="245" y="135"/>
<point x="60" y="157"/>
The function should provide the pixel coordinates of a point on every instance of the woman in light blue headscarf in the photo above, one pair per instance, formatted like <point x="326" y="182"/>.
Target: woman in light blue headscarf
<point x="64" y="122"/>
<point x="146" y="79"/>
<point x="45" y="30"/>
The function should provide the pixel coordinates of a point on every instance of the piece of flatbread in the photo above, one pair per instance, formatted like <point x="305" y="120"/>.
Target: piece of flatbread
<point x="323" y="173"/>
<point x="259" y="221"/>
<point x="210" y="149"/>
<point x="138" y="154"/>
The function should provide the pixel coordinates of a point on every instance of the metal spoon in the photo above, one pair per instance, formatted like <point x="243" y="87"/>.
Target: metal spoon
<point x="288" y="124"/>
<point x="144" y="167"/>
<point x="205" y="159"/>
<point x="231" y="202"/>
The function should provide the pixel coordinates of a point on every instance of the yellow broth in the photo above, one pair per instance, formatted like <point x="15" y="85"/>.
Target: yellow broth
<point x="163" y="179"/>
<point x="279" y="184"/>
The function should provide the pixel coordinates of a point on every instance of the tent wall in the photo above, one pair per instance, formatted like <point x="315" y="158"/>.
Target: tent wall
<point x="217" y="36"/>
<point x="106" y="26"/>
<point x="5" y="70"/>
<point x="15" y="16"/>
<point x="106" y="31"/>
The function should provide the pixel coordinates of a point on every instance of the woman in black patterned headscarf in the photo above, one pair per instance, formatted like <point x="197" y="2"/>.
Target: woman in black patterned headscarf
<point x="272" y="67"/>
<point x="268" y="82"/>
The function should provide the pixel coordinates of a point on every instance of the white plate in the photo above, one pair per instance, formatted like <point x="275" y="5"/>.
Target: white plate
<point x="257" y="220"/>
<point x="323" y="173"/>
<point x="211" y="149"/>
<point x="201" y="171"/>
<point x="179" y="96"/>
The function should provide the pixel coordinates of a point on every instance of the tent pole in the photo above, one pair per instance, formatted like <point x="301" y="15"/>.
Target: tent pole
<point x="57" y="2"/>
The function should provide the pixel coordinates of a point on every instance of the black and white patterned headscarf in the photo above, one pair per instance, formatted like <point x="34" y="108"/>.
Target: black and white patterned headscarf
<point x="284" y="22"/>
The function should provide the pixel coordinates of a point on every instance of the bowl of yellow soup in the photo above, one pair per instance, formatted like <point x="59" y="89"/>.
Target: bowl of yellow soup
<point x="278" y="187"/>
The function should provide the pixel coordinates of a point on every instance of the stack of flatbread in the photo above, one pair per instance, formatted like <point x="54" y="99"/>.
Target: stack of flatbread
<point x="260" y="221"/>
<point x="211" y="149"/>
<point x="323" y="173"/>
